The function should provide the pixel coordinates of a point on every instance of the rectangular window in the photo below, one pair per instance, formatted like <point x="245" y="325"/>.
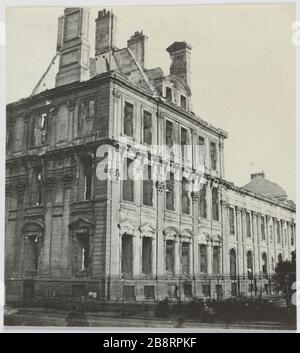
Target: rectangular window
<point x="292" y="235"/>
<point x="147" y="186"/>
<point x="40" y="132"/>
<point x="231" y="220"/>
<point x="215" y="204"/>
<point x="129" y="292"/>
<point x="201" y="151"/>
<point x="147" y="128"/>
<point x="184" y="142"/>
<point x="248" y="223"/>
<point x="147" y="255"/>
<point x="149" y="292"/>
<point x="206" y="290"/>
<point x="170" y="202"/>
<point x="216" y="260"/>
<point x="183" y="102"/>
<point x="278" y="233"/>
<point x="185" y="258"/>
<point x="185" y="199"/>
<point x="36" y="185"/>
<point x="170" y="256"/>
<point x="234" y="289"/>
<point x="169" y="133"/>
<point x="202" y="202"/>
<point x="169" y="95"/>
<point x="88" y="109"/>
<point x="128" y="119"/>
<point x="213" y="156"/>
<point x="219" y="290"/>
<point x="203" y="258"/>
<point x="128" y="183"/>
<point x="188" y="290"/>
<point x="262" y="228"/>
<point x="127" y="254"/>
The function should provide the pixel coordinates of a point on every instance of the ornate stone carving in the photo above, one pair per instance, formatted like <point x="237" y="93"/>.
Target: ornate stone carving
<point x="195" y="196"/>
<point x="160" y="185"/>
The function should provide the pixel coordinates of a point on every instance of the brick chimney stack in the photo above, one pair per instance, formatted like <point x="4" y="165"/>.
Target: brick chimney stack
<point x="180" y="53"/>
<point x="106" y="28"/>
<point x="138" y="45"/>
<point x="73" y="45"/>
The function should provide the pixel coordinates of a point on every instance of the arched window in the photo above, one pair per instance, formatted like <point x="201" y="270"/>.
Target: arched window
<point x="265" y="264"/>
<point x="249" y="264"/>
<point x="232" y="256"/>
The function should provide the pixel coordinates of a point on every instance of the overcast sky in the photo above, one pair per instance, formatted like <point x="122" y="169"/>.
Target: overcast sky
<point x="243" y="72"/>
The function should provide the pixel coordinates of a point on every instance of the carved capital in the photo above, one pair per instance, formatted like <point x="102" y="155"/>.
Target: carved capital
<point x="160" y="185"/>
<point x="195" y="196"/>
<point x="71" y="104"/>
<point x="116" y="93"/>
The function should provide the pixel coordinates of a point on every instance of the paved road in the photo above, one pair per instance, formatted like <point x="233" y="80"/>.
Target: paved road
<point x="50" y="318"/>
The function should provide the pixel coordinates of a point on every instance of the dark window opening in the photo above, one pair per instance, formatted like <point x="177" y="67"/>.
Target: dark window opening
<point x="147" y="186"/>
<point x="234" y="289"/>
<point x="231" y="220"/>
<point x="36" y="187"/>
<point x="169" y="133"/>
<point x="232" y="256"/>
<point x="215" y="204"/>
<point x="147" y="255"/>
<point x="188" y="290"/>
<point x="249" y="265"/>
<point x="216" y="260"/>
<point x="86" y="179"/>
<point x="149" y="292"/>
<point x="202" y="202"/>
<point x="201" y="152"/>
<point x="185" y="199"/>
<point x="170" y="195"/>
<point x="129" y="293"/>
<point x="82" y="253"/>
<point x="128" y="119"/>
<point x="147" y="128"/>
<point x="278" y="233"/>
<point x="219" y="290"/>
<point x="206" y="290"/>
<point x="185" y="258"/>
<point x="170" y="256"/>
<point x="127" y="254"/>
<point x="265" y="264"/>
<point x="32" y="255"/>
<point x="88" y="109"/>
<point x="184" y="140"/>
<point x="213" y="156"/>
<point x="262" y="228"/>
<point x="169" y="94"/>
<point x="248" y="222"/>
<point x="203" y="258"/>
<point x="128" y="182"/>
<point x="292" y="236"/>
<point x="183" y="102"/>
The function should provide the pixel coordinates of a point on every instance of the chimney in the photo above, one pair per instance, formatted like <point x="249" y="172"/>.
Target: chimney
<point x="180" y="61"/>
<point x="106" y="28"/>
<point x="73" y="45"/>
<point x="60" y="33"/>
<point x="259" y="175"/>
<point x="138" y="45"/>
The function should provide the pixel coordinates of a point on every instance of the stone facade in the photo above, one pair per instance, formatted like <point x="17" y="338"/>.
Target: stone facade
<point x="71" y="234"/>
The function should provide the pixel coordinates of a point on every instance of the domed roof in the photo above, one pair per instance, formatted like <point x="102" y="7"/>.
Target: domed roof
<point x="260" y="185"/>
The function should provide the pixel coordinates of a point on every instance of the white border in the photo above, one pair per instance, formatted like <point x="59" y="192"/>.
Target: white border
<point x="13" y="3"/>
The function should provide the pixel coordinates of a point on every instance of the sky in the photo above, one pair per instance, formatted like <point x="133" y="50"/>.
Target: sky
<point x="243" y="72"/>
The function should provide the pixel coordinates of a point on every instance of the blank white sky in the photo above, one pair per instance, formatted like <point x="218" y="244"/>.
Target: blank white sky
<point x="243" y="72"/>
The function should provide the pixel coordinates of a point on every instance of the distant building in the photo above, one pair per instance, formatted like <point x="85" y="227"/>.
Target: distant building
<point x="70" y="233"/>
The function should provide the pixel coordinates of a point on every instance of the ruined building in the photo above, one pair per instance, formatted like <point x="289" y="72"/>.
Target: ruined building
<point x="72" y="234"/>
